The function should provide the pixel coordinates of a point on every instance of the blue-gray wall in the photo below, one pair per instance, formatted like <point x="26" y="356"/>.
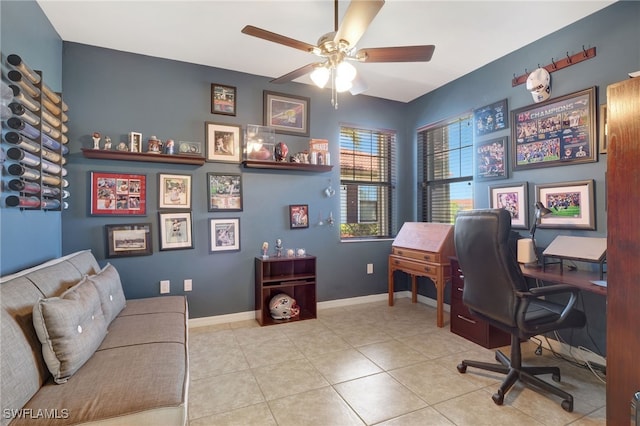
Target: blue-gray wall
<point x="30" y="237"/>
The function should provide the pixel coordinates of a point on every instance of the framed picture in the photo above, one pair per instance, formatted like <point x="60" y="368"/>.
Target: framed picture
<point x="298" y="216"/>
<point x="224" y="192"/>
<point x="129" y="240"/>
<point x="572" y="205"/>
<point x="491" y="118"/>
<point x="176" y="231"/>
<point x="174" y="191"/>
<point x="224" y="234"/>
<point x="223" y="142"/>
<point x="287" y="114"/>
<point x="190" y="148"/>
<point x="555" y="132"/>
<point x="491" y="161"/>
<point x="515" y="199"/>
<point x="118" y="194"/>
<point x="135" y="142"/>
<point x="223" y="99"/>
<point x="602" y="127"/>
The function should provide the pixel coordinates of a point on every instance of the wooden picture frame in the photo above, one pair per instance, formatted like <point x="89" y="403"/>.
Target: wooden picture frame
<point x="118" y="194"/>
<point x="572" y="205"/>
<point x="174" y="191"/>
<point x="556" y="132"/>
<point x="515" y="199"/>
<point x="224" y="192"/>
<point x="223" y="99"/>
<point x="126" y="240"/>
<point x="287" y="114"/>
<point x="176" y="230"/>
<point x="491" y="118"/>
<point x="492" y="159"/>
<point x="298" y="216"/>
<point x="222" y="142"/>
<point x="602" y="129"/>
<point x="224" y="234"/>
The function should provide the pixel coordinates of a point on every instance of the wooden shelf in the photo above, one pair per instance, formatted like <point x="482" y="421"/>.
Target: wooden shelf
<point x="142" y="156"/>
<point x="256" y="164"/>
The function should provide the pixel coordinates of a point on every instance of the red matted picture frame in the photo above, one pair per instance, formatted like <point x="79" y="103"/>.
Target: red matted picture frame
<point x="118" y="194"/>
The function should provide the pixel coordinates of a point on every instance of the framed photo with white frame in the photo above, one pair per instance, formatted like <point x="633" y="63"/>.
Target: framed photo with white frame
<point x="176" y="231"/>
<point x="174" y="191"/>
<point x="572" y="205"/>
<point x="222" y="142"/>
<point x="224" y="234"/>
<point x="515" y="199"/>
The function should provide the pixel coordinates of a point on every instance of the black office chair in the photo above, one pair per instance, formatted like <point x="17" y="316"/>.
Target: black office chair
<point x="496" y="291"/>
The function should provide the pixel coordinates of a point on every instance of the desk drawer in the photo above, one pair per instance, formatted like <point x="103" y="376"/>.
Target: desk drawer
<point x="413" y="267"/>
<point x="426" y="256"/>
<point x="457" y="281"/>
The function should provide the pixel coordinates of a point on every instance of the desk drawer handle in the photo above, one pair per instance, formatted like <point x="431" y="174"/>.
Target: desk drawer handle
<point x="459" y="289"/>
<point x="466" y="319"/>
<point x="397" y="262"/>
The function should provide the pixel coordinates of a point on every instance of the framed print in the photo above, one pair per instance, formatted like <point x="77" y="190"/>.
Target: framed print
<point x="298" y="216"/>
<point x="491" y="118"/>
<point x="135" y="142"/>
<point x="515" y="199"/>
<point x="224" y="234"/>
<point x="223" y="99"/>
<point x="491" y="161"/>
<point x="556" y="132"/>
<point x="129" y="240"/>
<point x="190" y="148"/>
<point x="223" y="142"/>
<point x="571" y="203"/>
<point x="176" y="231"/>
<point x="602" y="127"/>
<point x="287" y="114"/>
<point x="174" y="191"/>
<point x="224" y="192"/>
<point x="118" y="194"/>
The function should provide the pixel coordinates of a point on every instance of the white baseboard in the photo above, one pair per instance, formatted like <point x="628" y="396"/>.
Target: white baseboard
<point x="569" y="351"/>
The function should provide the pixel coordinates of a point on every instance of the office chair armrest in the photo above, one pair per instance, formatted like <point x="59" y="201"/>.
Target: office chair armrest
<point x="554" y="289"/>
<point x="538" y="292"/>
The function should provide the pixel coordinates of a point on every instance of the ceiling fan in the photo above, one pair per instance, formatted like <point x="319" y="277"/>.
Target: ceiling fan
<point x="337" y="48"/>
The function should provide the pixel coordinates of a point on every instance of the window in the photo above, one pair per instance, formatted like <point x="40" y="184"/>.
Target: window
<point x="445" y="167"/>
<point x="367" y="177"/>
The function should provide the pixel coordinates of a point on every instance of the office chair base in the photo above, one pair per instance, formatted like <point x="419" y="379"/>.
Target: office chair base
<point x="514" y="372"/>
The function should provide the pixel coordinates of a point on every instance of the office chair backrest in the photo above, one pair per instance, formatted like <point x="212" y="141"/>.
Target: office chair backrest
<point x="489" y="265"/>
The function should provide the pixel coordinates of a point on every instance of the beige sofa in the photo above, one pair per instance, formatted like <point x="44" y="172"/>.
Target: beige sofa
<point x="74" y="351"/>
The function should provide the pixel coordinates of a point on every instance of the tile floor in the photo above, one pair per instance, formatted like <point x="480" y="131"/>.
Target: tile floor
<point x="367" y="364"/>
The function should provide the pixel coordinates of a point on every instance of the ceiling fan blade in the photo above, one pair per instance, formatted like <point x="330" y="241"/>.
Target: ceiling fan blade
<point x="295" y="73"/>
<point x="359" y="85"/>
<point x="396" y="54"/>
<point x="278" y="38"/>
<point x="356" y="20"/>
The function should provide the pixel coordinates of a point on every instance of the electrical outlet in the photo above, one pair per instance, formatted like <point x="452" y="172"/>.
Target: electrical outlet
<point x="188" y="284"/>
<point x="369" y="268"/>
<point x="164" y="286"/>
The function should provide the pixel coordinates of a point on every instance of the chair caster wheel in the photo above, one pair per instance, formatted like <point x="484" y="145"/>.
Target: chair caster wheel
<point x="556" y="377"/>
<point x="498" y="397"/>
<point x="462" y="368"/>
<point x="567" y="405"/>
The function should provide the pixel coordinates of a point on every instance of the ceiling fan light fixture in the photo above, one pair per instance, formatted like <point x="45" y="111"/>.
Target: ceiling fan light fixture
<point x="342" y="85"/>
<point x="345" y="71"/>
<point x="320" y="76"/>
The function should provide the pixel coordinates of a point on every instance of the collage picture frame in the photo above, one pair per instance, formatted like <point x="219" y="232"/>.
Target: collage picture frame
<point x="118" y="194"/>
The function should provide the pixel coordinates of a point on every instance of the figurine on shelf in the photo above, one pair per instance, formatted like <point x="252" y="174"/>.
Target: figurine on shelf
<point x="122" y="146"/>
<point x="169" y="147"/>
<point x="265" y="248"/>
<point x="96" y="140"/>
<point x="107" y="143"/>
<point x="278" y="247"/>
<point x="154" y="146"/>
<point x="281" y="151"/>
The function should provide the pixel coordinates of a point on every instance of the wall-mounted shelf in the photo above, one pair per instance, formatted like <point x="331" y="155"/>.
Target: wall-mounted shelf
<point x="255" y="164"/>
<point x="142" y="156"/>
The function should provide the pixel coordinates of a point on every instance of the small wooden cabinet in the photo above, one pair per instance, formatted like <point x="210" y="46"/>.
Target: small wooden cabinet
<point x="294" y="276"/>
<point x="466" y="325"/>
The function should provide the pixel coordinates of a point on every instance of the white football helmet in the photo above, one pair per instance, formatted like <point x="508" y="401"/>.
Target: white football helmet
<point x="283" y="306"/>
<point x="539" y="84"/>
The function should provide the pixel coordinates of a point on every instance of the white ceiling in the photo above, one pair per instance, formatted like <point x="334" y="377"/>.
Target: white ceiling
<point x="467" y="34"/>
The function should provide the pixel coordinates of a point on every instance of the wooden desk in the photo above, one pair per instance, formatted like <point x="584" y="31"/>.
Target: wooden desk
<point x="554" y="274"/>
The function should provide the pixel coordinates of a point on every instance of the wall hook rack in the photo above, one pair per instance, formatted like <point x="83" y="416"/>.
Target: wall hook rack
<point x="560" y="64"/>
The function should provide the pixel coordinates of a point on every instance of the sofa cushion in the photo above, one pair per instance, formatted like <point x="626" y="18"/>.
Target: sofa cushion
<point x="70" y="328"/>
<point x="109" y="287"/>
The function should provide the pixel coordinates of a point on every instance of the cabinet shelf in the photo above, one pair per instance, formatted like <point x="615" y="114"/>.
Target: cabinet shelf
<point x="142" y="156"/>
<point x="256" y="164"/>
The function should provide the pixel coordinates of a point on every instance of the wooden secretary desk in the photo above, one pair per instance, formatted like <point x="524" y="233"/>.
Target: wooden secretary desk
<point x="423" y="249"/>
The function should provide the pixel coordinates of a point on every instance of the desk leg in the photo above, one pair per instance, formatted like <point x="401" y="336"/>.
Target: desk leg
<point x="414" y="289"/>
<point x="440" y="302"/>
<point x="390" y="281"/>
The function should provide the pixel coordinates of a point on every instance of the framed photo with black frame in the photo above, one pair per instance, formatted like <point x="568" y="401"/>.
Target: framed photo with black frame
<point x="515" y="199"/>
<point x="491" y="118"/>
<point x="222" y="142"/>
<point x="127" y="240"/>
<point x="118" y="194"/>
<point x="176" y="231"/>
<point x="223" y="99"/>
<point x="224" y="234"/>
<point x="287" y="114"/>
<point x="556" y="132"/>
<point x="298" y="216"/>
<point x="224" y="192"/>
<point x="572" y="205"/>
<point x="492" y="160"/>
